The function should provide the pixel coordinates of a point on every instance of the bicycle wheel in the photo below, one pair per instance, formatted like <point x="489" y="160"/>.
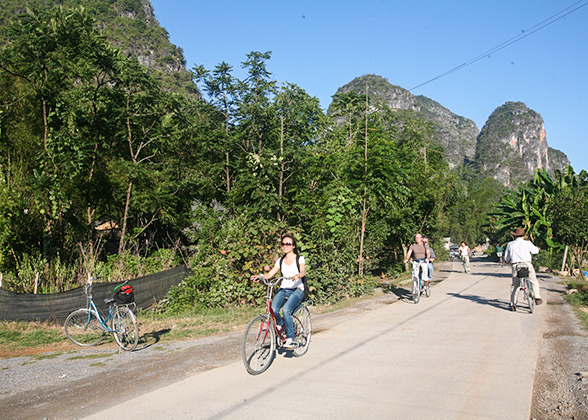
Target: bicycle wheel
<point x="529" y="295"/>
<point x="428" y="290"/>
<point x="302" y="330"/>
<point x="259" y="345"/>
<point x="416" y="292"/>
<point x="126" y="330"/>
<point x="83" y="328"/>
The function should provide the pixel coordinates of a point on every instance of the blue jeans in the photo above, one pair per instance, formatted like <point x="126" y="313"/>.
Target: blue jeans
<point x="430" y="271"/>
<point x="294" y="298"/>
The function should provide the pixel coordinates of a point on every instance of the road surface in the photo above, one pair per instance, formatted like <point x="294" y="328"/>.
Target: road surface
<point x="460" y="354"/>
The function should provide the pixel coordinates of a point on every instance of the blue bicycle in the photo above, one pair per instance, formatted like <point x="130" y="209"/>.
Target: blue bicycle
<point x="87" y="326"/>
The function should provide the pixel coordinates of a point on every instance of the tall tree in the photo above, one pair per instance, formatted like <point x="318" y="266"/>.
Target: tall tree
<point x="61" y="70"/>
<point x="223" y="90"/>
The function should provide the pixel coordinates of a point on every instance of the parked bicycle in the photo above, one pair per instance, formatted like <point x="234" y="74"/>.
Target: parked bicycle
<point x="88" y="326"/>
<point x="525" y="286"/>
<point x="262" y="335"/>
<point x="418" y="286"/>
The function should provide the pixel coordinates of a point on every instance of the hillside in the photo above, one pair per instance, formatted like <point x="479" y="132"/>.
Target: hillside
<point x="129" y="25"/>
<point x="513" y="143"/>
<point x="456" y="134"/>
<point x="510" y="146"/>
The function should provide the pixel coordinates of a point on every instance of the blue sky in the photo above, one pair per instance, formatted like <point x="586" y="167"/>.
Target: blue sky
<point x="321" y="45"/>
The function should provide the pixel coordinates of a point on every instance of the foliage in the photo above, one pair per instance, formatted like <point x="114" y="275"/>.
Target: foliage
<point x="104" y="169"/>
<point x="129" y="25"/>
<point x="570" y="215"/>
<point x="553" y="213"/>
<point x="580" y="298"/>
<point x="530" y="208"/>
<point x="467" y="207"/>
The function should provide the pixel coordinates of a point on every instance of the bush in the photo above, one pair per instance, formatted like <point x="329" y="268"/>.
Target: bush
<point x="212" y="287"/>
<point x="551" y="260"/>
<point x="580" y="298"/>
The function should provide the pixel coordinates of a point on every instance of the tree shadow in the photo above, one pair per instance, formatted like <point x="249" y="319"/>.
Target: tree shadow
<point x="497" y="303"/>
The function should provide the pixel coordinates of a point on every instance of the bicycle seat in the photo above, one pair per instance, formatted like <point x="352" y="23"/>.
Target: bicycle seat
<point x="109" y="301"/>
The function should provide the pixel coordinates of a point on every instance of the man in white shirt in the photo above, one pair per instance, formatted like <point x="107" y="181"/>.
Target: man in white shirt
<point x="518" y="253"/>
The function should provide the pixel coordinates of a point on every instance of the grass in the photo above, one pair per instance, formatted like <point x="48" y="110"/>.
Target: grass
<point x="47" y="355"/>
<point x="579" y="300"/>
<point x="17" y="338"/>
<point x="583" y="315"/>
<point x="91" y="356"/>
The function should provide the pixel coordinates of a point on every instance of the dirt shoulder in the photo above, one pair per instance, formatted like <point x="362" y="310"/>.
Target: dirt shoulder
<point x="561" y="379"/>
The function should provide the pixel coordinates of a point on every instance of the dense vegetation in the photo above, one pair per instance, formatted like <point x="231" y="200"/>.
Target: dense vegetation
<point x="553" y="213"/>
<point x="105" y="170"/>
<point x="128" y="25"/>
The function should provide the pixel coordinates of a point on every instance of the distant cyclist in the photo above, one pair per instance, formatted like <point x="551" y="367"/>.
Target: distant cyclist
<point x="420" y="252"/>
<point x="518" y="253"/>
<point x="464" y="253"/>
<point x="499" y="251"/>
<point x="432" y="258"/>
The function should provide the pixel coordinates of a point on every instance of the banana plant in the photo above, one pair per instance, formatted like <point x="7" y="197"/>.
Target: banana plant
<point x="530" y="208"/>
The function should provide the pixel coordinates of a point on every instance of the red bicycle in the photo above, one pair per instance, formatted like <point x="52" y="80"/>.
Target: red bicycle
<point x="262" y="335"/>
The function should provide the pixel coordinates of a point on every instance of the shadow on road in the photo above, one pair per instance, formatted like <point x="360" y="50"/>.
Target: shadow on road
<point x="500" y="304"/>
<point x="402" y="294"/>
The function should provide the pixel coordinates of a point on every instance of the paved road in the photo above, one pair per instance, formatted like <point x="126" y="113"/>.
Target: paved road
<point x="460" y="354"/>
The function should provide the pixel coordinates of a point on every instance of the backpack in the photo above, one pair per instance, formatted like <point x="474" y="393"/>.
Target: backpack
<point x="304" y="279"/>
<point x="522" y="272"/>
<point x="123" y="294"/>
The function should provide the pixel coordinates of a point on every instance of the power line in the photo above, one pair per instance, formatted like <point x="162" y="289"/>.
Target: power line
<point x="524" y="34"/>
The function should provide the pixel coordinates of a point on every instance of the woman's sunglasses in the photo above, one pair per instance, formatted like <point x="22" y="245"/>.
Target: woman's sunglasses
<point x="287" y="244"/>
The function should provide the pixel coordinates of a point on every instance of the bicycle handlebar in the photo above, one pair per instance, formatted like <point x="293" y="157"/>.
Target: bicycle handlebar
<point x="269" y="282"/>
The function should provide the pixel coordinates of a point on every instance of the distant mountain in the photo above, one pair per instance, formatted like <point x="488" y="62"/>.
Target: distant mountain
<point x="456" y="134"/>
<point x="129" y="25"/>
<point x="511" y="145"/>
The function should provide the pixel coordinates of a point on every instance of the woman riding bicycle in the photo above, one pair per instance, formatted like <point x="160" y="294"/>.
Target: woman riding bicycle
<point x="291" y="291"/>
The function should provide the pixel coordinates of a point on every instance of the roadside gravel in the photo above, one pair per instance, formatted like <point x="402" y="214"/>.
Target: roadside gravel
<point x="561" y="380"/>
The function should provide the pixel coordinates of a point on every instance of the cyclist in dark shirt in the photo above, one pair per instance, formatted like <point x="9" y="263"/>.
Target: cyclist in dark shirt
<point x="420" y="252"/>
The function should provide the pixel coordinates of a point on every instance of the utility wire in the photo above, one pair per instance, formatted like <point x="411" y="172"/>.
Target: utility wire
<point x="524" y="34"/>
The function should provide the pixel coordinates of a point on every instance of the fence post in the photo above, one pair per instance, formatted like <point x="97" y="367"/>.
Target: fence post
<point x="563" y="264"/>
<point x="36" y="282"/>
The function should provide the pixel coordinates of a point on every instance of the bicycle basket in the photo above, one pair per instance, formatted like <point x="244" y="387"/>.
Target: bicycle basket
<point x="123" y="294"/>
<point x="522" y="272"/>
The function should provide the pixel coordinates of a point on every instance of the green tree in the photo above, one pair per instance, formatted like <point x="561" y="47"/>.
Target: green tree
<point x="529" y="207"/>
<point x="223" y="90"/>
<point x="60" y="71"/>
<point x="570" y="215"/>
